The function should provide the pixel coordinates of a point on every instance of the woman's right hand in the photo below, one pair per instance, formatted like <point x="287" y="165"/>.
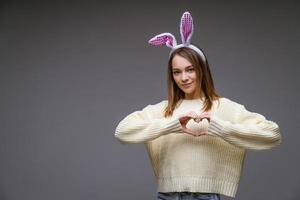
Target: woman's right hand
<point x="185" y="118"/>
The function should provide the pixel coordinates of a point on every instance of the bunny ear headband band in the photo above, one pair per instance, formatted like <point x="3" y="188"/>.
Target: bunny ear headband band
<point x="186" y="32"/>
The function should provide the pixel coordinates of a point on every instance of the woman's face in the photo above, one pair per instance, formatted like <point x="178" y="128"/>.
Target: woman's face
<point x="185" y="76"/>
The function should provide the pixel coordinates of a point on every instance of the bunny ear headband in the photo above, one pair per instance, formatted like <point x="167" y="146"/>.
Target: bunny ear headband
<point x="186" y="32"/>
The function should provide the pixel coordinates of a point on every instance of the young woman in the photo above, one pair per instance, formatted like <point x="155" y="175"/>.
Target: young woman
<point x="196" y="140"/>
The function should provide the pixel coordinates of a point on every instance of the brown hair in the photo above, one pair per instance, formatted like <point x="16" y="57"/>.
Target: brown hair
<point x="207" y="89"/>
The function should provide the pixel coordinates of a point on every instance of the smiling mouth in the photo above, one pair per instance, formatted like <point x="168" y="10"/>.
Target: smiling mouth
<point x="187" y="85"/>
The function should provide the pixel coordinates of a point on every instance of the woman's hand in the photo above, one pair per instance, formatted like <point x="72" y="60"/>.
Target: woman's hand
<point x="185" y="118"/>
<point x="204" y="115"/>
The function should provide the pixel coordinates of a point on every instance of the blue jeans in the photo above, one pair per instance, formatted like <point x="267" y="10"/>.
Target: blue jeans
<point x="187" y="196"/>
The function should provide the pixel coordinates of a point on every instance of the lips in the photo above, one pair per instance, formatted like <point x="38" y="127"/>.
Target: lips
<point x="187" y="85"/>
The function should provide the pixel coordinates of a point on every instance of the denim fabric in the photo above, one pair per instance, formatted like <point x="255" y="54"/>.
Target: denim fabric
<point x="187" y="196"/>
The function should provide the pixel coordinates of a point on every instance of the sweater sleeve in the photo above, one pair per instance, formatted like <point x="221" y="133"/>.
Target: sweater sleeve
<point x="145" y="125"/>
<point x="249" y="130"/>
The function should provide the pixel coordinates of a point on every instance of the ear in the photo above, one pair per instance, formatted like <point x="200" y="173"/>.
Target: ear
<point x="164" y="38"/>
<point x="186" y="28"/>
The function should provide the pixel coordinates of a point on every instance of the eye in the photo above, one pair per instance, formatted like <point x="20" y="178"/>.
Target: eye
<point x="175" y="72"/>
<point x="191" y="69"/>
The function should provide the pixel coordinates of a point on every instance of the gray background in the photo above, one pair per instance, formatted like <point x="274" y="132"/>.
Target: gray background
<point x="70" y="71"/>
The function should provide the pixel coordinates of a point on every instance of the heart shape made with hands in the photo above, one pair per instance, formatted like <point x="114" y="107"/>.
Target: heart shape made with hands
<point x="195" y="123"/>
<point x="198" y="127"/>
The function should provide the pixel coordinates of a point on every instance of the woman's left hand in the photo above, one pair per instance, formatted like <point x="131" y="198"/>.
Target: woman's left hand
<point x="199" y="118"/>
<point x="204" y="115"/>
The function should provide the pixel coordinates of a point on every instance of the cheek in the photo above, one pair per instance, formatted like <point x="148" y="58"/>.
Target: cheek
<point x="176" y="79"/>
<point x="194" y="75"/>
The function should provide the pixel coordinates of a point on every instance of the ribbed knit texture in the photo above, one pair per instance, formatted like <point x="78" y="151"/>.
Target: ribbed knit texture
<point x="212" y="163"/>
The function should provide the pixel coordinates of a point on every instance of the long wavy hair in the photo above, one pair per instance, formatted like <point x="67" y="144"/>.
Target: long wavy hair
<point x="207" y="89"/>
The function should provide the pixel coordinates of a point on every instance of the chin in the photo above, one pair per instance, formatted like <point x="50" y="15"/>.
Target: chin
<point x="188" y="91"/>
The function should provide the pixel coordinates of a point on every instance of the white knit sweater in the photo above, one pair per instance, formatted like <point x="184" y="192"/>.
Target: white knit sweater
<point x="212" y="163"/>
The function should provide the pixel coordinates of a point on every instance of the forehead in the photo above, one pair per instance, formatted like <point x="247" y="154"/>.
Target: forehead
<point x="179" y="62"/>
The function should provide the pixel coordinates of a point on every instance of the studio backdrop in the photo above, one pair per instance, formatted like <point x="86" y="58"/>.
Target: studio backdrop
<point x="70" y="71"/>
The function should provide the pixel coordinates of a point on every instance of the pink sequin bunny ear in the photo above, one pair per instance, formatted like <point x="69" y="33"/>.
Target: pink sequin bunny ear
<point x="186" y="28"/>
<point x="164" y="38"/>
<point x="186" y="32"/>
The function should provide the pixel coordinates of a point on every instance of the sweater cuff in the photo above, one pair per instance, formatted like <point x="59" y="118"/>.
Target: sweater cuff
<point x="173" y="126"/>
<point x="217" y="127"/>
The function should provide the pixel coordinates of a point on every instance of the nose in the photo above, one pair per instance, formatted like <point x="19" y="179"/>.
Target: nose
<point x="184" y="77"/>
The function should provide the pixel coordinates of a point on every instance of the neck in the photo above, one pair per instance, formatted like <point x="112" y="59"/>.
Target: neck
<point x="193" y="96"/>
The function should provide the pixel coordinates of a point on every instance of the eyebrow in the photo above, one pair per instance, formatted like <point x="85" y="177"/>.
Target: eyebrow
<point x="185" y="67"/>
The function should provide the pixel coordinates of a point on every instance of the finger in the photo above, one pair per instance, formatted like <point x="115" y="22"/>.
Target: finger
<point x="204" y="114"/>
<point x="202" y="133"/>
<point x="184" y="119"/>
<point x="188" y="131"/>
<point x="197" y="120"/>
<point x="205" y="117"/>
<point x="182" y="116"/>
<point x="208" y="118"/>
<point x="207" y="114"/>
